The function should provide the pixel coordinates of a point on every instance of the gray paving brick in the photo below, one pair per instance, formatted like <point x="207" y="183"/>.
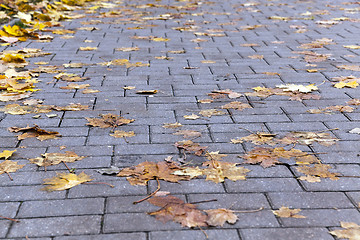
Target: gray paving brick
<point x="263" y="185"/>
<point x="4" y="227"/>
<point x="285" y="233"/>
<point x="23" y="193"/>
<point x="56" y="226"/>
<point x="56" y="208"/>
<point x="194" y="234"/>
<point x="120" y="236"/>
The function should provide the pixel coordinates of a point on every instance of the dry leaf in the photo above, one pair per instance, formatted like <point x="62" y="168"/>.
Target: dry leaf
<point x="258" y="139"/>
<point x="87" y="48"/>
<point x="331" y="109"/>
<point x="34" y="131"/>
<point x="142" y="173"/>
<point x="211" y="112"/>
<point x="215" y="156"/>
<point x="217" y="171"/>
<point x="76" y="86"/>
<point x="351" y="231"/>
<point x="307" y="138"/>
<point x="122" y="134"/>
<point x="174" y="209"/>
<point x="256" y="56"/>
<point x="286" y="212"/>
<point x="191" y="117"/>
<point x="6" y="154"/>
<point x="190" y="146"/>
<point x="63" y="181"/>
<point x="236" y="105"/>
<point x="172" y="125"/>
<point x="218" y="217"/>
<point x="188" y="133"/>
<point x="108" y="120"/>
<point x="8" y="166"/>
<point x="318" y="170"/>
<point x="343" y="84"/>
<point x="127" y="49"/>
<point x="355" y="130"/>
<point x="49" y="159"/>
<point x="349" y="67"/>
<point x="146" y="92"/>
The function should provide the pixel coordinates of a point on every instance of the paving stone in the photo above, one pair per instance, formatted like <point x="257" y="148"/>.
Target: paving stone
<point x="56" y="208"/>
<point x="23" y="193"/>
<point x="193" y="186"/>
<point x="4" y="227"/>
<point x="51" y="226"/>
<point x="257" y="185"/>
<point x="9" y="209"/>
<point x="309" y="200"/>
<point x="120" y="236"/>
<point x="285" y="233"/>
<point x="194" y="234"/>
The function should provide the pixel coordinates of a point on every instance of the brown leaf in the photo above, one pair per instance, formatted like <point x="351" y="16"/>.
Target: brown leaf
<point x="145" y="171"/>
<point x="217" y="171"/>
<point x="122" y="134"/>
<point x="236" y="105"/>
<point x="211" y="112"/>
<point x="8" y="166"/>
<point x="172" y="125"/>
<point x="351" y="231"/>
<point x="174" y="209"/>
<point x="188" y="133"/>
<point x="218" y="217"/>
<point x="331" y="109"/>
<point x="75" y="86"/>
<point x="190" y="146"/>
<point x="286" y="212"/>
<point x="258" y="139"/>
<point x="14" y="96"/>
<point x="108" y="120"/>
<point x="63" y="181"/>
<point x="318" y="170"/>
<point x="49" y="159"/>
<point x="34" y="131"/>
<point x="307" y="138"/>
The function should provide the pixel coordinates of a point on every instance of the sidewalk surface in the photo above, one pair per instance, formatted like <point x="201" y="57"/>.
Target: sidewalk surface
<point x="219" y="45"/>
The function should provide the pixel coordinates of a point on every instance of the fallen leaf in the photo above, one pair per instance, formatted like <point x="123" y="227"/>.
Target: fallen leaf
<point x="236" y="105"/>
<point x="122" y="134"/>
<point x="188" y="133"/>
<point x="108" y="120"/>
<point x="217" y="171"/>
<point x="331" y="109"/>
<point x="174" y="209"/>
<point x="191" y="117"/>
<point x="49" y="159"/>
<point x="351" y="46"/>
<point x="285" y="212"/>
<point x="351" y="231"/>
<point x="349" y="67"/>
<point x="298" y="88"/>
<point x="342" y="84"/>
<point x="127" y="49"/>
<point x="218" y="217"/>
<point x="146" y="92"/>
<point x="8" y="166"/>
<point x="172" y="125"/>
<point x="109" y="171"/>
<point x="318" y="170"/>
<point x="145" y="171"/>
<point x="75" y="86"/>
<point x="34" y="131"/>
<point x="354" y="101"/>
<point x="258" y="139"/>
<point x="6" y="154"/>
<point x="215" y="156"/>
<point x="211" y="112"/>
<point x="355" y="130"/>
<point x="256" y="56"/>
<point x="129" y="87"/>
<point x="87" y="91"/>
<point x="190" y="146"/>
<point x="88" y="48"/>
<point x="307" y="138"/>
<point x="63" y="181"/>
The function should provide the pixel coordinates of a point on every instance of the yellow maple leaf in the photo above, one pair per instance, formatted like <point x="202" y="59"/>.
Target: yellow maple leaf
<point x="63" y="181"/>
<point x="6" y="154"/>
<point x="352" y="84"/>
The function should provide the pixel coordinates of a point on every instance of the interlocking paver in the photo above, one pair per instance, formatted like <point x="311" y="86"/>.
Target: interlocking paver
<point x="224" y="32"/>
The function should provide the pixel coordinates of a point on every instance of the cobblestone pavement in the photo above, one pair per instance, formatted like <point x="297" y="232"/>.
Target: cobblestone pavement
<point x="217" y="39"/>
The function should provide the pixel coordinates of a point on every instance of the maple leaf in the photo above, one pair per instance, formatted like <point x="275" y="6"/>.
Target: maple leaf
<point x="307" y="138"/>
<point x="172" y="125"/>
<point x="145" y="171"/>
<point x="217" y="171"/>
<point x="6" y="154"/>
<point x="215" y="156"/>
<point x="108" y="120"/>
<point x="127" y="49"/>
<point x="218" y="217"/>
<point x="354" y="101"/>
<point x="88" y="48"/>
<point x="298" y="88"/>
<point x="351" y="46"/>
<point x="349" y="67"/>
<point x="331" y="109"/>
<point x="343" y="84"/>
<point x="122" y="134"/>
<point x="34" y="131"/>
<point x="191" y="117"/>
<point x="256" y="56"/>
<point x="49" y="159"/>
<point x="174" y="209"/>
<point x="8" y="166"/>
<point x="285" y="212"/>
<point x="318" y="170"/>
<point x="188" y="133"/>
<point x="258" y="139"/>
<point x="211" y="112"/>
<point x="63" y="181"/>
<point x="75" y="86"/>
<point x="190" y="146"/>
<point x="236" y="105"/>
<point x="351" y="231"/>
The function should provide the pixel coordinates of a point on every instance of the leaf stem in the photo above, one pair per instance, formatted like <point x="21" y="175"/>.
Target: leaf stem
<point x="11" y="219"/>
<point x="104" y="183"/>
<point x="149" y="196"/>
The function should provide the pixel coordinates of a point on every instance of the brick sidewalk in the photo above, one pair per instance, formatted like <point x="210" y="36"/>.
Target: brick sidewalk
<point x="101" y="212"/>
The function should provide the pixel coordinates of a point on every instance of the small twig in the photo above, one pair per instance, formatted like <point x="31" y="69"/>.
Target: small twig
<point x="104" y="183"/>
<point x="66" y="166"/>
<point x="205" y="201"/>
<point x="327" y="130"/>
<point x="11" y="219"/>
<point x="10" y="176"/>
<point x="249" y="211"/>
<point x="247" y="130"/>
<point x="207" y="236"/>
<point x="149" y="196"/>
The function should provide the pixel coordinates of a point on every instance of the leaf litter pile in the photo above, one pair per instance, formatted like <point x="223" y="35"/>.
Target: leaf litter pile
<point x="19" y="81"/>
